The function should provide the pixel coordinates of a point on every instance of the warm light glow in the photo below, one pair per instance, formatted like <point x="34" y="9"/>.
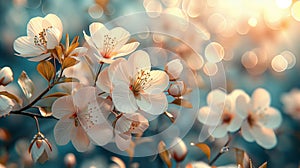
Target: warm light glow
<point x="279" y="63"/>
<point x="249" y="59"/>
<point x="154" y="7"/>
<point x="210" y="69"/>
<point x="217" y="23"/>
<point x="95" y="11"/>
<point x="283" y="3"/>
<point x="296" y="11"/>
<point x="252" y="21"/>
<point x="214" y="52"/>
<point x="290" y="58"/>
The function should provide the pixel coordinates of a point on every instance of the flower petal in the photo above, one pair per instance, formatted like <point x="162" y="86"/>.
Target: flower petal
<point x="245" y="130"/>
<point x="235" y="123"/>
<point x="63" y="106"/>
<point x="98" y="37"/>
<point x="40" y="57"/>
<point x="36" y="152"/>
<point x="123" y="141"/>
<point x="119" y="72"/>
<point x="158" y="83"/>
<point x="6" y="105"/>
<point x="100" y="134"/>
<point x="34" y="26"/>
<point x="218" y="131"/>
<point x="84" y="96"/>
<point x="53" y="20"/>
<point x="80" y="139"/>
<point x="271" y="118"/>
<point x="242" y="106"/>
<point x="260" y="99"/>
<point x="90" y="42"/>
<point x="139" y="60"/>
<point x="209" y="117"/>
<point x="216" y="97"/>
<point x="95" y="26"/>
<point x="174" y="69"/>
<point x="25" y="46"/>
<point x="265" y="137"/>
<point x="154" y="104"/>
<point x="53" y="37"/>
<point x="123" y="98"/>
<point x="104" y="82"/>
<point x="121" y="36"/>
<point x="62" y="130"/>
<point x="127" y="49"/>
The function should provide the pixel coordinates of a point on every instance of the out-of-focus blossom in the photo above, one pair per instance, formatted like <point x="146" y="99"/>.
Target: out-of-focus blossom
<point x="177" y="89"/>
<point x="6" y="105"/>
<point x="43" y="35"/>
<point x="205" y="165"/>
<point x="70" y="160"/>
<point x="134" y="86"/>
<point x="220" y="114"/>
<point x="259" y="118"/>
<point x="127" y="124"/>
<point x="291" y="102"/>
<point x="178" y="149"/>
<point x="6" y="76"/>
<point x="105" y="45"/>
<point x="174" y="69"/>
<point x="40" y="148"/>
<point x="82" y="119"/>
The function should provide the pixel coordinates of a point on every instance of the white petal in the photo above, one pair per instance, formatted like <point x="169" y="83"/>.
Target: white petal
<point x="62" y="130"/>
<point x="6" y="105"/>
<point x="84" y="96"/>
<point x="260" y="99"/>
<point x="34" y="26"/>
<point x="127" y="49"/>
<point x="265" y="137"/>
<point x="216" y="97"/>
<point x="271" y="118"/>
<point x="119" y="71"/>
<point x="98" y="37"/>
<point x="100" y="134"/>
<point x="40" y="57"/>
<point x="79" y="51"/>
<point x="174" y="69"/>
<point x="121" y="36"/>
<point x="136" y="117"/>
<point x="95" y="26"/>
<point x="235" y="123"/>
<point x="209" y="117"/>
<point x="159" y="82"/>
<point x="245" y="130"/>
<point x="25" y="46"/>
<point x="90" y="42"/>
<point x="37" y="152"/>
<point x="63" y="106"/>
<point x="123" y="98"/>
<point x="139" y="60"/>
<point x="104" y="82"/>
<point x="154" y="104"/>
<point x="242" y="106"/>
<point x="80" y="139"/>
<point x="54" y="21"/>
<point x="53" y="38"/>
<point x="218" y="131"/>
<point x="123" y="124"/>
<point x="123" y="141"/>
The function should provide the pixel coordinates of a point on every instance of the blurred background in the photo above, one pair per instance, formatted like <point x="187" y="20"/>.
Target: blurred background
<point x="256" y="41"/>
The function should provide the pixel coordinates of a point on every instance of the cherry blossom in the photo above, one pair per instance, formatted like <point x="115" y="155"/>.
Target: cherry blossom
<point x="105" y="45"/>
<point x="82" y="119"/>
<point x="6" y="76"/>
<point x="291" y="102"/>
<point x="178" y="149"/>
<point x="127" y="124"/>
<point x="259" y="118"/>
<point x="40" y="148"/>
<point x="220" y="114"/>
<point x="174" y="69"/>
<point x="134" y="86"/>
<point x="43" y="34"/>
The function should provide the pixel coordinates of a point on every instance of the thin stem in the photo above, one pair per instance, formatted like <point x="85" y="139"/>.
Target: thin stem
<point x="221" y="152"/>
<point x="99" y="70"/>
<point x="29" y="114"/>
<point x="37" y="124"/>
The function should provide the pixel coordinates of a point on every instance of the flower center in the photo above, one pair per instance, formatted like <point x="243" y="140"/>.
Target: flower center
<point x="227" y="117"/>
<point x="134" y="125"/>
<point x="76" y="121"/>
<point x="251" y="119"/>
<point x="109" y="45"/>
<point x="40" y="39"/>
<point x="140" y="82"/>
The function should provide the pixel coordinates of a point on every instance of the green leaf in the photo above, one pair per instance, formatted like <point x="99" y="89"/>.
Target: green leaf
<point x="183" y="103"/>
<point x="204" y="148"/>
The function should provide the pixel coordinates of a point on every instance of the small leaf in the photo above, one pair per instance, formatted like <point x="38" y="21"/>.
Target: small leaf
<point x="204" y="148"/>
<point x="57" y="94"/>
<point x="264" y="165"/>
<point x="64" y="80"/>
<point x="239" y="154"/>
<point x="183" y="103"/>
<point x="45" y="111"/>
<point x="73" y="45"/>
<point x="59" y="52"/>
<point x="26" y="85"/>
<point x="68" y="62"/>
<point x="46" y="69"/>
<point x="67" y="41"/>
<point x="11" y="96"/>
<point x="170" y="116"/>
<point x="164" y="154"/>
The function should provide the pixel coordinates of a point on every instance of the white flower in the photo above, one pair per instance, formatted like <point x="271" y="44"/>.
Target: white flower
<point x="6" y="76"/>
<point x="6" y="105"/>
<point x="291" y="102"/>
<point x="127" y="124"/>
<point x="220" y="114"/>
<point x="108" y="44"/>
<point x="133" y="86"/>
<point x="259" y="118"/>
<point x="40" y="148"/>
<point x="82" y="119"/>
<point x="174" y="69"/>
<point x="43" y="34"/>
<point x="178" y="149"/>
<point x="205" y="165"/>
<point x="177" y="89"/>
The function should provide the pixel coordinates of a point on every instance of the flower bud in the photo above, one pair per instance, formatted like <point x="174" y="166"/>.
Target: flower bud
<point x="174" y="69"/>
<point x="6" y="105"/>
<point x="178" y="149"/>
<point x="177" y="89"/>
<point x="6" y="76"/>
<point x="40" y="148"/>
